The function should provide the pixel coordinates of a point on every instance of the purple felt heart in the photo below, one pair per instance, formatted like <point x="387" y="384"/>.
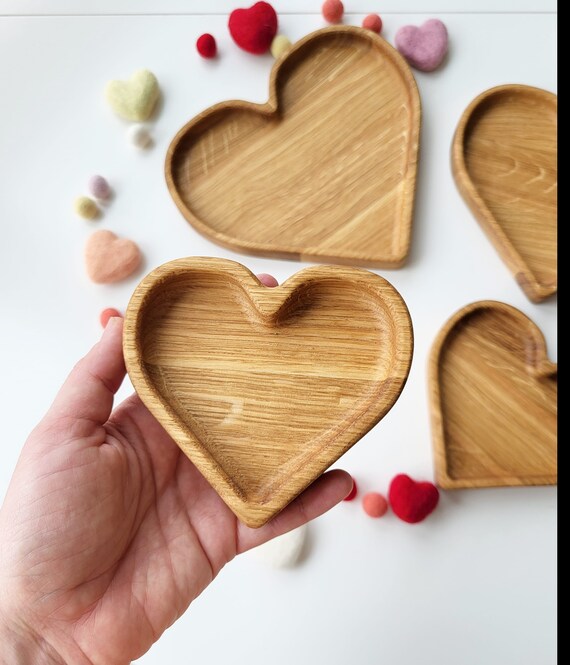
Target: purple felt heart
<point x="424" y="47"/>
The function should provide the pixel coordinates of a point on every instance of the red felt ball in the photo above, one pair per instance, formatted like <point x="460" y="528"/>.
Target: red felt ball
<point x="107" y="314"/>
<point x="206" y="46"/>
<point x="253" y="29"/>
<point x="372" y="22"/>
<point x="374" y="504"/>
<point x="332" y="11"/>
<point x="412" y="501"/>
<point x="353" y="492"/>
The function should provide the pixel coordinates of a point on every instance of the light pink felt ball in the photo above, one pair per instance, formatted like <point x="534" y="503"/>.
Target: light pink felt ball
<point x="99" y="187"/>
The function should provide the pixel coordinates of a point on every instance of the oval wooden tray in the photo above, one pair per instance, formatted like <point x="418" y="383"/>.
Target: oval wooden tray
<point x="504" y="159"/>
<point x="265" y="388"/>
<point x="493" y="395"/>
<point x="324" y="171"/>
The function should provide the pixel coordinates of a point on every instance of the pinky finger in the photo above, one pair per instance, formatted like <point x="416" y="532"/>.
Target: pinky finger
<point x="322" y="495"/>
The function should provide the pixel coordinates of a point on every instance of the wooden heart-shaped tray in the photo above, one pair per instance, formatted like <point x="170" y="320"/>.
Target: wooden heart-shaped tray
<point x="493" y="395"/>
<point x="324" y="171"/>
<point x="263" y="389"/>
<point x="504" y="159"/>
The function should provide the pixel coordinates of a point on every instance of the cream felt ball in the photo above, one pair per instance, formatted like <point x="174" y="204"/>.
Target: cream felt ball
<point x="139" y="136"/>
<point x="86" y="207"/>
<point x="279" y="46"/>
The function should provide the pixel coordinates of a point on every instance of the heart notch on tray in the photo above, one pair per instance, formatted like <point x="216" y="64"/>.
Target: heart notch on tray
<point x="324" y="171"/>
<point x="493" y="394"/>
<point x="263" y="389"/>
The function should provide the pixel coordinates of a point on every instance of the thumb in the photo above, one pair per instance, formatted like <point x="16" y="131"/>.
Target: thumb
<point x="88" y="391"/>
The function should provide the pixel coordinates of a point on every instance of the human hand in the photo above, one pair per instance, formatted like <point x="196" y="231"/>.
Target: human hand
<point x="108" y="531"/>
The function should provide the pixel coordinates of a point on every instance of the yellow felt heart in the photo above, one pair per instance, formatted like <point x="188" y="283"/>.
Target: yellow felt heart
<point x="134" y="99"/>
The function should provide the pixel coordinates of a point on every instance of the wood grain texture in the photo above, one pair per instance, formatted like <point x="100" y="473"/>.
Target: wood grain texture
<point x="493" y="396"/>
<point x="504" y="160"/>
<point x="265" y="388"/>
<point x="324" y="171"/>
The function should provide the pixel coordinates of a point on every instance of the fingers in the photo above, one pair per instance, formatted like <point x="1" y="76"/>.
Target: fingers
<point x="322" y="495"/>
<point x="88" y="391"/>
<point x="267" y="280"/>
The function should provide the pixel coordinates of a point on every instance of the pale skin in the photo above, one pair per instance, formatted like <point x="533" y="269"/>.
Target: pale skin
<point x="108" y="532"/>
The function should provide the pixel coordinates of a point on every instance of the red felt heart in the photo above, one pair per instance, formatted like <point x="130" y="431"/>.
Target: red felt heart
<point x="412" y="501"/>
<point x="253" y="29"/>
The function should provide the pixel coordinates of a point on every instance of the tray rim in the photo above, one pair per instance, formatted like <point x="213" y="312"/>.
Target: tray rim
<point x="542" y="367"/>
<point x="535" y="290"/>
<point x="270" y="108"/>
<point x="251" y="513"/>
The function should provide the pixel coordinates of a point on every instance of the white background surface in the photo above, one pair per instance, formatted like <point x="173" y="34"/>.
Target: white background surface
<point x="474" y="584"/>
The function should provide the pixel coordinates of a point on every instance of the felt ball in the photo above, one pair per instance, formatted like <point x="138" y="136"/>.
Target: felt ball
<point x="332" y="11"/>
<point x="107" y="314"/>
<point x="206" y="46"/>
<point x="99" y="187"/>
<point x="139" y="136"/>
<point x="86" y="207"/>
<point x="136" y="98"/>
<point x="374" y="504"/>
<point x="109" y="258"/>
<point x="280" y="45"/>
<point x="372" y="22"/>
<point x="283" y="551"/>
<point x="424" y="47"/>
<point x="253" y="29"/>
<point x="412" y="501"/>
<point x="353" y="492"/>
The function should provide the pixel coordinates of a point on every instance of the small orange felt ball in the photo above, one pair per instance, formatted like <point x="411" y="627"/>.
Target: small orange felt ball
<point x="332" y="11"/>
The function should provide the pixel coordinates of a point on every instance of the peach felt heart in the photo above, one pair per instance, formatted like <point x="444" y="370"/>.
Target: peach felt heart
<point x="109" y="258"/>
<point x="134" y="99"/>
<point x="424" y="47"/>
<point x="325" y="171"/>
<point x="263" y="389"/>
<point x="493" y="395"/>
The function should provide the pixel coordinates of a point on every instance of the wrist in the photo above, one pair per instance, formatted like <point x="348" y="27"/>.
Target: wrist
<point x="20" y="646"/>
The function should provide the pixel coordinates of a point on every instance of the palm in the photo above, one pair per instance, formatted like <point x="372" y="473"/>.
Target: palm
<point x="120" y="531"/>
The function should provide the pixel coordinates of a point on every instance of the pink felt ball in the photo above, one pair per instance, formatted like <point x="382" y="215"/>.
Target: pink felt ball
<point x="353" y="492"/>
<point x="374" y="504"/>
<point x="332" y="11"/>
<point x="107" y="314"/>
<point x="99" y="187"/>
<point x="206" y="46"/>
<point x="372" y="22"/>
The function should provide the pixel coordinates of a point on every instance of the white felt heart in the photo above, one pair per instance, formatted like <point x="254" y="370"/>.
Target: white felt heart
<point x="284" y="551"/>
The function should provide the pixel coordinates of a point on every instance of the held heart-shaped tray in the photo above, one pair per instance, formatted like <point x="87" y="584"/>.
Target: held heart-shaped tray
<point x="493" y="395"/>
<point x="263" y="389"/>
<point x="324" y="171"/>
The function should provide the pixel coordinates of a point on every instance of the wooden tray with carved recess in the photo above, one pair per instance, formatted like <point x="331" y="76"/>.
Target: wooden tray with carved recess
<point x="493" y="394"/>
<point x="324" y="171"/>
<point x="262" y="388"/>
<point x="504" y="159"/>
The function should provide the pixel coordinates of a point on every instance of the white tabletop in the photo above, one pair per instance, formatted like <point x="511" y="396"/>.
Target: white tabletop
<point x="474" y="584"/>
